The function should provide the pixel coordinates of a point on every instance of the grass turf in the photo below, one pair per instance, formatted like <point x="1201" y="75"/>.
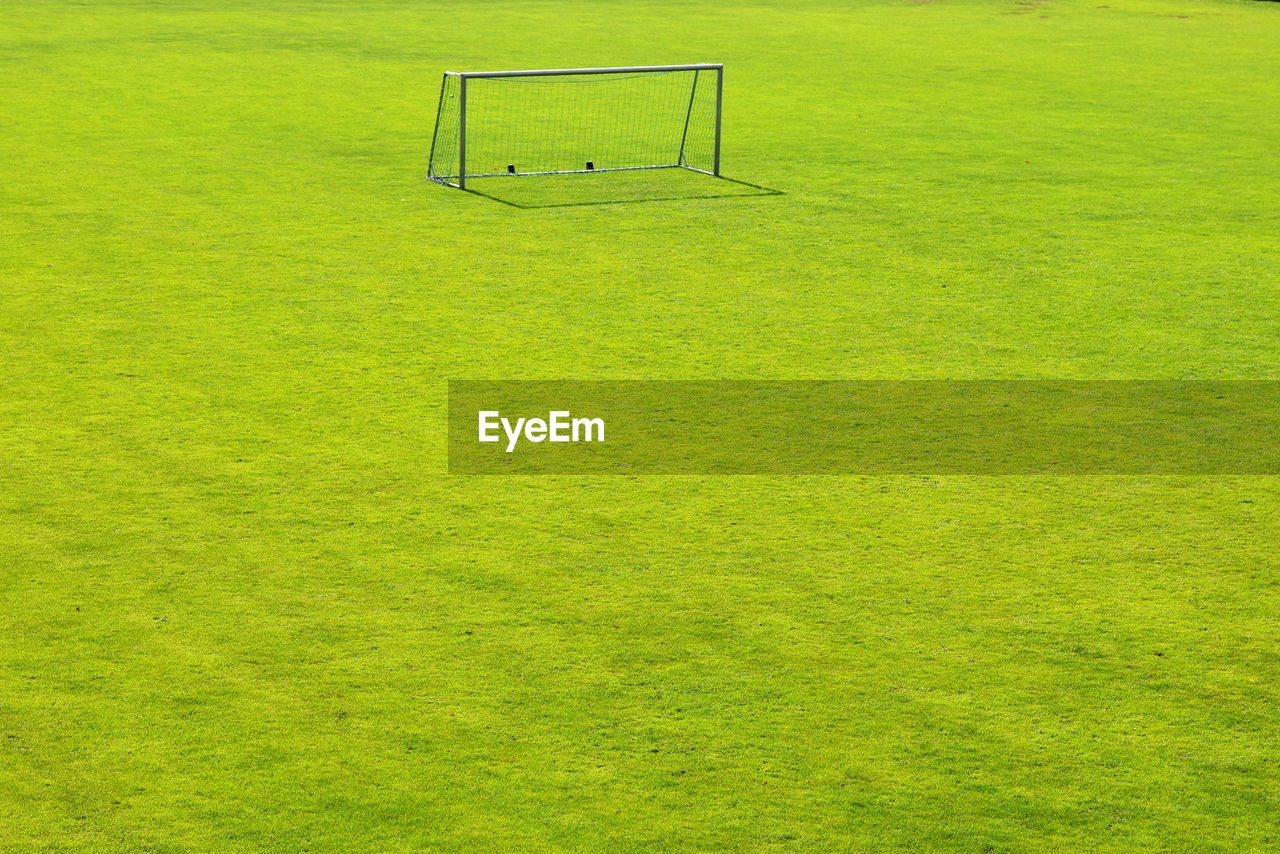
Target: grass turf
<point x="245" y="610"/>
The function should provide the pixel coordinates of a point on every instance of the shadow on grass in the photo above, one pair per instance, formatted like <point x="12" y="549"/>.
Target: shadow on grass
<point x="613" y="188"/>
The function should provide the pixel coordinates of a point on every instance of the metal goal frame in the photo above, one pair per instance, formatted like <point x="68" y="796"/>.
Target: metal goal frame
<point x="464" y="76"/>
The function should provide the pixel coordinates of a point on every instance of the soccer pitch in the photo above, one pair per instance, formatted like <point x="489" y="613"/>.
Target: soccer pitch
<point x="245" y="608"/>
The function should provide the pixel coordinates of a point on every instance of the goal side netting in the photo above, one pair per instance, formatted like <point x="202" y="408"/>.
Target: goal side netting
<point x="576" y="120"/>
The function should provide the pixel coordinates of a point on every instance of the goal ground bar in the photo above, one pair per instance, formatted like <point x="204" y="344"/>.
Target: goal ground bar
<point x="448" y="179"/>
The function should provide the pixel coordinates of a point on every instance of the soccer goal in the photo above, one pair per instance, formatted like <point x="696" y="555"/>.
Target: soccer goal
<point x="566" y="120"/>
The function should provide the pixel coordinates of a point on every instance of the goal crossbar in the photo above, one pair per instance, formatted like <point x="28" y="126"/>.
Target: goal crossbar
<point x="629" y="69"/>
<point x="545" y="130"/>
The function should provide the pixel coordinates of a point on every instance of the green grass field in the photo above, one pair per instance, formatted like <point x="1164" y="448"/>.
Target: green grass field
<point x="244" y="609"/>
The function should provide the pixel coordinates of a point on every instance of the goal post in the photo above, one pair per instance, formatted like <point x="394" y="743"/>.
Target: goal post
<point x="577" y="120"/>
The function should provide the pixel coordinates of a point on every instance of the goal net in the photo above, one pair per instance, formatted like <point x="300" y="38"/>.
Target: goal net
<point x="493" y="123"/>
